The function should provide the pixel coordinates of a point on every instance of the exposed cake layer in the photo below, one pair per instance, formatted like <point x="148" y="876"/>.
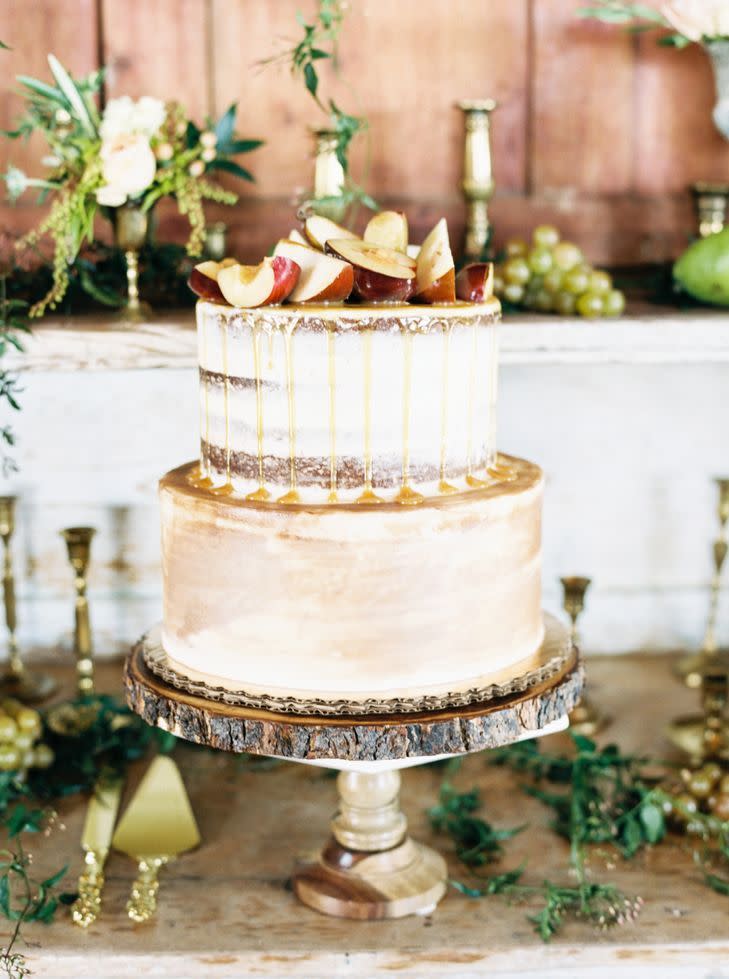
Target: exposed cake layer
<point x="352" y="602"/>
<point x="331" y="403"/>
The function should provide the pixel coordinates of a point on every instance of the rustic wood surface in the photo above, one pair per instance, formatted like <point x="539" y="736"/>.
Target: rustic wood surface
<point x="225" y="909"/>
<point x="596" y="130"/>
<point x="367" y="738"/>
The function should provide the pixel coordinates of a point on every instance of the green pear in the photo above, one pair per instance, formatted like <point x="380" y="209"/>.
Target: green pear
<point x="703" y="269"/>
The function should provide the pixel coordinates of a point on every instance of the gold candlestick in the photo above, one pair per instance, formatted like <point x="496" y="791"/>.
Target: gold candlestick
<point x="477" y="183"/>
<point x="710" y="201"/>
<point x="18" y="681"/>
<point x="585" y="718"/>
<point x="706" y="735"/>
<point x="131" y="224"/>
<point x="78" y="542"/>
<point x="691" y="668"/>
<point x="329" y="177"/>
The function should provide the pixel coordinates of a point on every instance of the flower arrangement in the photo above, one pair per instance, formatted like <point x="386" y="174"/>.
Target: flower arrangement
<point x="134" y="151"/>
<point x="689" y="21"/>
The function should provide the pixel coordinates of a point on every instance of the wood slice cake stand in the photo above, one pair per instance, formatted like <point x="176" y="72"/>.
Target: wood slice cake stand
<point x="369" y="868"/>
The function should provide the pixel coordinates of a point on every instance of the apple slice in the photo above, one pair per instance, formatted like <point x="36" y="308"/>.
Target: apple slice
<point x="204" y="279"/>
<point x="412" y="251"/>
<point x="389" y="229"/>
<point x="259" y="285"/>
<point x="319" y="230"/>
<point x="323" y="279"/>
<point x="475" y="283"/>
<point x="436" y="272"/>
<point x="380" y="274"/>
<point x="296" y="235"/>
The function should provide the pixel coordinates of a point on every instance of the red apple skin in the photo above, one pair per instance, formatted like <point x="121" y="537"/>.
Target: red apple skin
<point x="285" y="274"/>
<point x="443" y="290"/>
<point x="376" y="287"/>
<point x="475" y="283"/>
<point x="205" y="287"/>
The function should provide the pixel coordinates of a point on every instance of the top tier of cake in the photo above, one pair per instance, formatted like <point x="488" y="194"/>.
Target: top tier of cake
<point x="348" y="403"/>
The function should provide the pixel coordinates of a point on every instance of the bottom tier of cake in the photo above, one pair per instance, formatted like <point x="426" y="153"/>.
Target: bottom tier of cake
<point x="351" y="602"/>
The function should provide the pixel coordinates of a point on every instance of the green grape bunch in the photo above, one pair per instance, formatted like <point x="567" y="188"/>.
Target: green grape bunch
<point x="20" y="745"/>
<point x="551" y="276"/>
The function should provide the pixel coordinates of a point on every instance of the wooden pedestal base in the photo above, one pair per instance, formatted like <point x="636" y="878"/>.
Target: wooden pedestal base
<point x="370" y="868"/>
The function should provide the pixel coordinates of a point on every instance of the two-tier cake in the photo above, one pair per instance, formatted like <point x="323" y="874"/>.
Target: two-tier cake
<point x="349" y="536"/>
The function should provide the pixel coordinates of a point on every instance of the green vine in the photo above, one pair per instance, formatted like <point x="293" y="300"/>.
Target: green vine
<point x="320" y="43"/>
<point x="13" y="324"/>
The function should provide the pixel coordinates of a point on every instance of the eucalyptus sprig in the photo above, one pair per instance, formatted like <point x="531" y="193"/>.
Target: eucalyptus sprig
<point x="320" y="43"/>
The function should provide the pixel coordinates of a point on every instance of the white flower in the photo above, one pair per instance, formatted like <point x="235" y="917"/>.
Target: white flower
<point x="124" y="115"/>
<point x="110" y="197"/>
<point x="698" y="19"/>
<point x="196" y="168"/>
<point x="128" y="167"/>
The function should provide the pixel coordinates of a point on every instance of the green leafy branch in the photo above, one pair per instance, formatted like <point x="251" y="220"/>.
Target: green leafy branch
<point x="13" y="324"/>
<point x="320" y="43"/>
<point x="635" y="17"/>
<point x="22" y="898"/>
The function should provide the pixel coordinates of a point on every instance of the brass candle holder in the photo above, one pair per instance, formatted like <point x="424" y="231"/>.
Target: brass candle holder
<point x="131" y="225"/>
<point x="585" y="718"/>
<point x="691" y="668"/>
<point x="477" y="183"/>
<point x="78" y="542"/>
<point x="17" y="681"/>
<point x="706" y="735"/>
<point x="710" y="201"/>
<point x="329" y="177"/>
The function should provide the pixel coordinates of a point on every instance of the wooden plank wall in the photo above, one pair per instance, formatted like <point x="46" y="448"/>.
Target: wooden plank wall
<point x="598" y="131"/>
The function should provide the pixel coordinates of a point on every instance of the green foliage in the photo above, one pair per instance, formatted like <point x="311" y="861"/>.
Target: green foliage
<point x="67" y="116"/>
<point x="636" y="18"/>
<point x="318" y="44"/>
<point x="477" y="842"/>
<point x="13" y="325"/>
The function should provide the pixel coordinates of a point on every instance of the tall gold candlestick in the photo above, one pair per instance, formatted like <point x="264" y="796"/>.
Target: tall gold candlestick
<point x="18" y="681"/>
<point x="706" y="735"/>
<point x="131" y="225"/>
<point x="710" y="203"/>
<point x="691" y="668"/>
<point x="78" y="542"/>
<point x="585" y="718"/>
<point x="477" y="183"/>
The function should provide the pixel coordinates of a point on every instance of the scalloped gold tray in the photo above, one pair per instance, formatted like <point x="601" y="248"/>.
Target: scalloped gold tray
<point x="552" y="657"/>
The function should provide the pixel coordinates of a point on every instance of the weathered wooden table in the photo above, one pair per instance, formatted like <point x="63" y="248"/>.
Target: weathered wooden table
<point x="226" y="910"/>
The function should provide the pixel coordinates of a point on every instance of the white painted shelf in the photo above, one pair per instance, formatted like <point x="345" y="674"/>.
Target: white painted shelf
<point x="646" y="335"/>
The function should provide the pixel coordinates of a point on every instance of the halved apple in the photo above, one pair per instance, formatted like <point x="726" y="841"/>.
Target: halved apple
<point x="296" y="235"/>
<point x="319" y="230"/>
<point x="380" y="274"/>
<point x="389" y="229"/>
<point x="323" y="279"/>
<point x="475" y="282"/>
<point x="259" y="285"/>
<point x="203" y="279"/>
<point x="436" y="272"/>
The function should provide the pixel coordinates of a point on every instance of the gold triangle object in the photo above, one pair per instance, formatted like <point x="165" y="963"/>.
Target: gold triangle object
<point x="157" y="826"/>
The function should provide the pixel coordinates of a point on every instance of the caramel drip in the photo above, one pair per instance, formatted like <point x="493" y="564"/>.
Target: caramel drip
<point x="227" y="488"/>
<point x="473" y="481"/>
<point x="332" y="418"/>
<point x="261" y="494"/>
<point x="293" y="494"/>
<point x="205" y="424"/>
<point x="367" y="495"/>
<point x="406" y="494"/>
<point x="443" y="485"/>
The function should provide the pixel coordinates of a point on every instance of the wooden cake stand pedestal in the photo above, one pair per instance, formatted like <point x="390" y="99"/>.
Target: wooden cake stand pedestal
<point x="369" y="868"/>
